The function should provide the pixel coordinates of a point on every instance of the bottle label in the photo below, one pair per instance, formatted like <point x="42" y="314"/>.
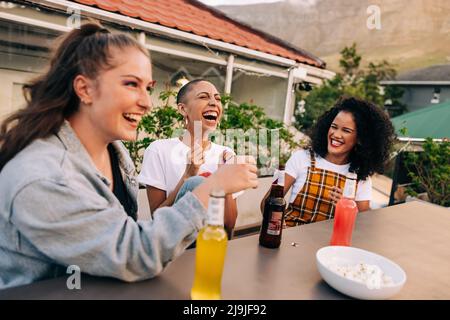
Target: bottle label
<point x="215" y="211"/>
<point x="274" y="227"/>
<point x="349" y="189"/>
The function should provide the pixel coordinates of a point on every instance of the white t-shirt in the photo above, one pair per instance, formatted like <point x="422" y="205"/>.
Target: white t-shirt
<point x="297" y="167"/>
<point x="165" y="163"/>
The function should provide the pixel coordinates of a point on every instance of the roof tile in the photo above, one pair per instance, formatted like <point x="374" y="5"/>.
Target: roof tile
<point x="193" y="16"/>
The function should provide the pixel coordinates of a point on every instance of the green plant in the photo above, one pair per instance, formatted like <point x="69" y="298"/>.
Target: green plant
<point x="351" y="81"/>
<point x="430" y="171"/>
<point x="252" y="119"/>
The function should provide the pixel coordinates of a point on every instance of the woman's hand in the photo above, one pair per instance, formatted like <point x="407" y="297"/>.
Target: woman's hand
<point x="237" y="176"/>
<point x="335" y="194"/>
<point x="230" y="178"/>
<point x="195" y="159"/>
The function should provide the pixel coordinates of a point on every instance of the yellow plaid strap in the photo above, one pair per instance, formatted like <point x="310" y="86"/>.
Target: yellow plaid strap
<point x="312" y="158"/>
<point x="313" y="202"/>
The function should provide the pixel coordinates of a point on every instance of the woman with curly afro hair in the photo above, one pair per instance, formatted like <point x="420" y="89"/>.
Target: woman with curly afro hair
<point x="353" y="136"/>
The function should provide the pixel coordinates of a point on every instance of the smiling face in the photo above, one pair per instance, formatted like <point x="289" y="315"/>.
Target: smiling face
<point x="342" y="135"/>
<point x="120" y="96"/>
<point x="202" y="103"/>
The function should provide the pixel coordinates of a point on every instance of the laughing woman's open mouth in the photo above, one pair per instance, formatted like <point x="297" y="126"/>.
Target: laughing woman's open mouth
<point x="132" y="118"/>
<point x="210" y="117"/>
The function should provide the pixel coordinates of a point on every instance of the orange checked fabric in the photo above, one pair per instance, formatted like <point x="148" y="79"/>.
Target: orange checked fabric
<point x="313" y="202"/>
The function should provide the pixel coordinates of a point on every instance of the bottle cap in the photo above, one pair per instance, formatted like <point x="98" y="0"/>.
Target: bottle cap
<point x="277" y="202"/>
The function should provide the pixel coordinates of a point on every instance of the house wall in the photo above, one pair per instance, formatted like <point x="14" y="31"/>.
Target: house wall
<point x="267" y="92"/>
<point x="418" y="97"/>
<point x="263" y="89"/>
<point x="23" y="54"/>
<point x="17" y="67"/>
<point x="11" y="97"/>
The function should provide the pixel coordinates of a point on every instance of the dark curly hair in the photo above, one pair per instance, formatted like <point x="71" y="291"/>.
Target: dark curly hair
<point x="375" y="135"/>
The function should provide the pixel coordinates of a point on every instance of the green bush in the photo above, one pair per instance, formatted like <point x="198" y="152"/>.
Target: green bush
<point x="430" y="171"/>
<point x="247" y="116"/>
<point x="351" y="81"/>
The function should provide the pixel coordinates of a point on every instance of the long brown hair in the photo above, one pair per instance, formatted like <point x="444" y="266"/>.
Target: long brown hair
<point x="51" y="97"/>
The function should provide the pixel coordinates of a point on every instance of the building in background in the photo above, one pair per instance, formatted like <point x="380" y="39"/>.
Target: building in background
<point x="423" y="87"/>
<point x="186" y="38"/>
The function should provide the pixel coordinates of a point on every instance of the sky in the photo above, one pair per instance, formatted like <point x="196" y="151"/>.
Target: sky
<point x="235" y="2"/>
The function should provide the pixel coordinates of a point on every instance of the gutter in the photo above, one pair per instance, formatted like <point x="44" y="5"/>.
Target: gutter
<point x="419" y="140"/>
<point x="414" y="83"/>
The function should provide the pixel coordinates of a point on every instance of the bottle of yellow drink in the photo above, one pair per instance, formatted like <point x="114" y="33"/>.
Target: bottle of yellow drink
<point x="210" y="251"/>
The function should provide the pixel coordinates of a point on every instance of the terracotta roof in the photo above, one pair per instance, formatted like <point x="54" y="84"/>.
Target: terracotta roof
<point x="197" y="18"/>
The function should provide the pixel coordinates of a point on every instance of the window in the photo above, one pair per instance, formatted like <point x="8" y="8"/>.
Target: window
<point x="436" y="95"/>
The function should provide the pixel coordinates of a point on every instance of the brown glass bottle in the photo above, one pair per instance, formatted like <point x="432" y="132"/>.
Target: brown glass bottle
<point x="273" y="215"/>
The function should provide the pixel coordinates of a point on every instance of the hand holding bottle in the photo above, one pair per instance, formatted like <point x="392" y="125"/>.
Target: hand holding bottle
<point x="236" y="176"/>
<point x="230" y="178"/>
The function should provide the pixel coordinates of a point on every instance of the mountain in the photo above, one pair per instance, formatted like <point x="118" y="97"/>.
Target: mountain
<point x="413" y="33"/>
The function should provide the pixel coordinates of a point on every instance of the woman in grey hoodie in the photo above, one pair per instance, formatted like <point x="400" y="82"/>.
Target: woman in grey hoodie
<point x="67" y="183"/>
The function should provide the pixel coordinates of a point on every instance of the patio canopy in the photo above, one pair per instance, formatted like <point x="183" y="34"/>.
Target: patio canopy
<point x="432" y="121"/>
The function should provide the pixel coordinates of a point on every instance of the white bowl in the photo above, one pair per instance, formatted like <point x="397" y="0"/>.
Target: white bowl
<point x="350" y="256"/>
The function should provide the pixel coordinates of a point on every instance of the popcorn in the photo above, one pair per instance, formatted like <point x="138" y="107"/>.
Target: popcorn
<point x="370" y="275"/>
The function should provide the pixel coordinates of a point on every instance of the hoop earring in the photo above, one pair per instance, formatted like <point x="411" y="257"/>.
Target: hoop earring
<point x="186" y="122"/>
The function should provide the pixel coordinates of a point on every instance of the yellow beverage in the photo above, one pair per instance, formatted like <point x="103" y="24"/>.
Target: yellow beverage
<point x="210" y="252"/>
<point x="209" y="261"/>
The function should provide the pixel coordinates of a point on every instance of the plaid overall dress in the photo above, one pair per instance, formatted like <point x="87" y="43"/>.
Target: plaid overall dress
<point x="313" y="202"/>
